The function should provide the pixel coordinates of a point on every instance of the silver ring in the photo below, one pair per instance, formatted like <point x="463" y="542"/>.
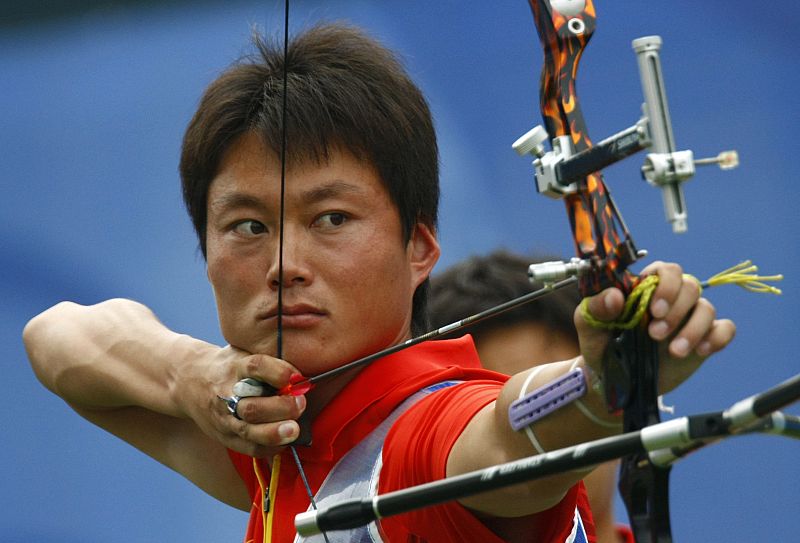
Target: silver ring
<point x="576" y="26"/>
<point x="232" y="404"/>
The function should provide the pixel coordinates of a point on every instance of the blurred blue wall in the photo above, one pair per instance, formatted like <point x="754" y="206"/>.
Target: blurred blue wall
<point x="93" y="109"/>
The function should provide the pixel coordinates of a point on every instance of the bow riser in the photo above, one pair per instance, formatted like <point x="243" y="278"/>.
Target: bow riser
<point x="601" y="238"/>
<point x="598" y="230"/>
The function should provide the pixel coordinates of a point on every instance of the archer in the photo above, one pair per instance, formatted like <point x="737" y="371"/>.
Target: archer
<point x="359" y="242"/>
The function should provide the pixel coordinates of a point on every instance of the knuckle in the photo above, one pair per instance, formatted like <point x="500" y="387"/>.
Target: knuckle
<point x="257" y="437"/>
<point x="242" y="430"/>
<point x="283" y="371"/>
<point x="247" y="410"/>
<point x="669" y="269"/>
<point x="708" y="307"/>
<point x="252" y="365"/>
<point x="692" y="287"/>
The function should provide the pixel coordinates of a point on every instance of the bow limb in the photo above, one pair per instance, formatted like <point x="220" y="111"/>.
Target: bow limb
<point x="600" y="234"/>
<point x="602" y="240"/>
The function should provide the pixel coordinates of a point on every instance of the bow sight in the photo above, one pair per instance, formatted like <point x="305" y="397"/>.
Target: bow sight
<point x="558" y="171"/>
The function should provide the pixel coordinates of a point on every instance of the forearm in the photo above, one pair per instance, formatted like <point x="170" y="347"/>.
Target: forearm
<point x="688" y="332"/>
<point x="110" y="355"/>
<point x="564" y="427"/>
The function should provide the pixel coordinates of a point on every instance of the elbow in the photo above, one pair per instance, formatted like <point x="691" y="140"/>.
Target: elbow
<point x="65" y="343"/>
<point x="43" y="337"/>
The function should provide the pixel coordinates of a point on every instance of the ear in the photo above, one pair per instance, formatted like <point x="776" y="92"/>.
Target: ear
<point x="423" y="252"/>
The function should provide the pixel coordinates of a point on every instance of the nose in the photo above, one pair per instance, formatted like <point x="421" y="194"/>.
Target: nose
<point x="289" y="266"/>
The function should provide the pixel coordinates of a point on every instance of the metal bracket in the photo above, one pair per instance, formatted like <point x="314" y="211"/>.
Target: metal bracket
<point x="558" y="171"/>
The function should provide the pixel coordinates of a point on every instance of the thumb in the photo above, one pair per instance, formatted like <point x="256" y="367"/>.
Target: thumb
<point x="605" y="306"/>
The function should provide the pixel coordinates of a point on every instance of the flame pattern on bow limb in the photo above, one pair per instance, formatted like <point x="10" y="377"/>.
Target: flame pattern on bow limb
<point x="598" y="229"/>
<point x="601" y="237"/>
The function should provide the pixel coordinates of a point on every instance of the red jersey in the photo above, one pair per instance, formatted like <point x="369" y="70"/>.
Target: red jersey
<point x="415" y="450"/>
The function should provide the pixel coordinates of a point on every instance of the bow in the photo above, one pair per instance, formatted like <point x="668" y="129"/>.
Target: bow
<point x="604" y="246"/>
<point x="602" y="241"/>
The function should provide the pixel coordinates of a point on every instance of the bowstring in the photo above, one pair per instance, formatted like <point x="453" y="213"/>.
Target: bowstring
<point x="279" y="337"/>
<point x="279" y="332"/>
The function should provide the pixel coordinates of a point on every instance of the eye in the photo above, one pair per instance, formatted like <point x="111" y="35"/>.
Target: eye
<point x="330" y="220"/>
<point x="249" y="228"/>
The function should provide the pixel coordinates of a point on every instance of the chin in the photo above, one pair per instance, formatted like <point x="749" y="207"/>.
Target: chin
<point x="266" y="346"/>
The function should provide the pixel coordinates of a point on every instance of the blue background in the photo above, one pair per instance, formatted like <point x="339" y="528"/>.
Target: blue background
<point x="93" y="110"/>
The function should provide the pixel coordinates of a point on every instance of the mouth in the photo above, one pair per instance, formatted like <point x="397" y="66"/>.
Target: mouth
<point x="296" y="315"/>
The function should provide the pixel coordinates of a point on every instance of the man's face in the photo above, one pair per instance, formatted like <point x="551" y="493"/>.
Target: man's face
<point x="348" y="276"/>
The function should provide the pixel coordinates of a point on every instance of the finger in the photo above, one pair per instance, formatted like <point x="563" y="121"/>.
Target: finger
<point x="605" y="306"/>
<point x="230" y="431"/>
<point x="721" y="334"/>
<point x="257" y="410"/>
<point x="262" y="441"/>
<point x="680" y="308"/>
<point x="670" y="279"/>
<point x="234" y="439"/>
<point x="273" y="371"/>
<point x="256" y="440"/>
<point x="695" y="329"/>
<point x="271" y="434"/>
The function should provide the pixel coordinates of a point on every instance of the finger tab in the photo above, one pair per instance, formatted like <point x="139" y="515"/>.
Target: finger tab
<point x="248" y="387"/>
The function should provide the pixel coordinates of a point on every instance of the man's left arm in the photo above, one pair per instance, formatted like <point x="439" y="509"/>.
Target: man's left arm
<point x="682" y="322"/>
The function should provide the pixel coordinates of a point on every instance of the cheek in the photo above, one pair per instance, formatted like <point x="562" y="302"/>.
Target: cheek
<point x="232" y="280"/>
<point x="380" y="276"/>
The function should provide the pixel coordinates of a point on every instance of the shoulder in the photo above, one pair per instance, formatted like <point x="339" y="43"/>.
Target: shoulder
<point x="422" y="437"/>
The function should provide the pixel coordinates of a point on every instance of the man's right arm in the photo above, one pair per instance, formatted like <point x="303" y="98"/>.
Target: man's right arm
<point x="117" y="366"/>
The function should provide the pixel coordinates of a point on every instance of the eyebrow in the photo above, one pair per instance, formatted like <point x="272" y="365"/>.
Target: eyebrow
<point x="333" y="189"/>
<point x="235" y="200"/>
<point x="329" y="190"/>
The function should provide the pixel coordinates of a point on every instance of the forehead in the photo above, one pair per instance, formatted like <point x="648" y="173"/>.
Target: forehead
<point x="250" y="170"/>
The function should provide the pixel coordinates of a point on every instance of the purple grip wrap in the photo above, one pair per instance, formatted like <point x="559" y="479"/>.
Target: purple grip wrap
<point x="546" y="399"/>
